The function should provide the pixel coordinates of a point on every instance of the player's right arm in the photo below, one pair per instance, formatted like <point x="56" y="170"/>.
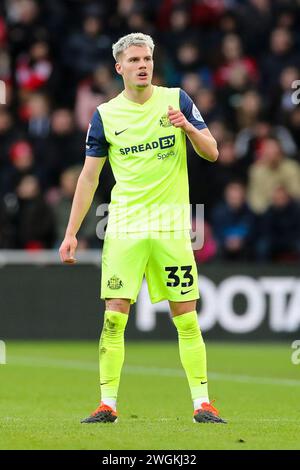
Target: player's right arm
<point x="96" y="153"/>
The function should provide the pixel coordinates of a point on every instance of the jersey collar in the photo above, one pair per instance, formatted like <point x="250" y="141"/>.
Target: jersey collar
<point x="138" y="104"/>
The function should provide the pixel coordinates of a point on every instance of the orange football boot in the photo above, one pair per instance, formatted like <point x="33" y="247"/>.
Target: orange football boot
<point x="207" y="414"/>
<point x="102" y="414"/>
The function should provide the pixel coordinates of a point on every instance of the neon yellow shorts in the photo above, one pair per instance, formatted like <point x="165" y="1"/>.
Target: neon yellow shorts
<point x="165" y="258"/>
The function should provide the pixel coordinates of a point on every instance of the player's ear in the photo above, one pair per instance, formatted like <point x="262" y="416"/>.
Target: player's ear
<point x="118" y="68"/>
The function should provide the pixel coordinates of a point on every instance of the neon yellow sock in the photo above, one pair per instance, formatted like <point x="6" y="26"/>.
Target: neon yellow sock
<point x="111" y="353"/>
<point x="192" y="353"/>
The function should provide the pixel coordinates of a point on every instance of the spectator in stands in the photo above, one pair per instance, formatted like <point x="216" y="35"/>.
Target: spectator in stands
<point x="235" y="81"/>
<point x="220" y="130"/>
<point x="286" y="17"/>
<point x="176" y="28"/>
<point x="190" y="58"/>
<point x="93" y="91"/>
<point x="260" y="14"/>
<point x="85" y="50"/>
<point x="66" y="141"/>
<point x="248" y="109"/>
<point x="191" y="83"/>
<point x="33" y="219"/>
<point x="207" y="13"/>
<point x="63" y="148"/>
<point x="250" y="140"/>
<point x="137" y="21"/>
<point x="234" y="61"/>
<point x="173" y="18"/>
<point x="26" y="25"/>
<point x="205" y="99"/>
<point x="272" y="169"/>
<point x="62" y="203"/>
<point x="228" y="168"/>
<point x="34" y="69"/>
<point x="38" y="116"/>
<point x="280" y="240"/>
<point x="22" y="163"/>
<point x="282" y="54"/>
<point x="234" y="223"/>
<point x="229" y="23"/>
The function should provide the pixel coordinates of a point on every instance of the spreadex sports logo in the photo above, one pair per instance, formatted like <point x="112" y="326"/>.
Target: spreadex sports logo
<point x="162" y="143"/>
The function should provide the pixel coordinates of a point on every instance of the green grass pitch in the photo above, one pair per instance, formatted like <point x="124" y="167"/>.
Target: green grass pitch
<point x="47" y="387"/>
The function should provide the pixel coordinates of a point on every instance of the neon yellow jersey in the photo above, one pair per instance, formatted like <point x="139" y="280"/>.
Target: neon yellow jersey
<point x="148" y="159"/>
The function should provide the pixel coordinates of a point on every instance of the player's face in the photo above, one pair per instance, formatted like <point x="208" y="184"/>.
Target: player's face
<point x="136" y="66"/>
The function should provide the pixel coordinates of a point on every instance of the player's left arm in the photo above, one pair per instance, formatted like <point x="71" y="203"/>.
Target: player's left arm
<point x="191" y="122"/>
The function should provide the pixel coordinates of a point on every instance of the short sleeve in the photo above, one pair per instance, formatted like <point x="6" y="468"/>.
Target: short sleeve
<point x="190" y="110"/>
<point x="96" y="143"/>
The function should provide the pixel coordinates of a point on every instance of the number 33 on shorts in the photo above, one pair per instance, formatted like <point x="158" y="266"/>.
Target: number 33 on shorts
<point x="174" y="277"/>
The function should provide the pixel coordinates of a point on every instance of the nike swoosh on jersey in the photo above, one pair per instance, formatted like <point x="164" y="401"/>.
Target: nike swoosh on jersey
<point x="186" y="292"/>
<point x="120" y="132"/>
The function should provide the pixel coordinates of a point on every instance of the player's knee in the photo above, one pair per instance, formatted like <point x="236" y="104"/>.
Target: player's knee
<point x="114" y="323"/>
<point x="189" y="324"/>
<point x="118" y="305"/>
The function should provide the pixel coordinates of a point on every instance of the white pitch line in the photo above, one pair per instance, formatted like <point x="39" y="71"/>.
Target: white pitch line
<point x="143" y="370"/>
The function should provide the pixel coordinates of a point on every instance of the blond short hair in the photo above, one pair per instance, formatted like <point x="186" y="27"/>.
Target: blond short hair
<point x="133" y="39"/>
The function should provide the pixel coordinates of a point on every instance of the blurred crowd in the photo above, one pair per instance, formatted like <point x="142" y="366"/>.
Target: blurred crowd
<point x="238" y="59"/>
